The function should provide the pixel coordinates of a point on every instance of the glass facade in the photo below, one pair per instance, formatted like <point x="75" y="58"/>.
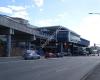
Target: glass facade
<point x="62" y="36"/>
<point x="74" y="37"/>
<point x="84" y="42"/>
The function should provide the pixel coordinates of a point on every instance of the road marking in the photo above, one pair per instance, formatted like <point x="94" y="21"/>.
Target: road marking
<point x="62" y="69"/>
<point x="10" y="61"/>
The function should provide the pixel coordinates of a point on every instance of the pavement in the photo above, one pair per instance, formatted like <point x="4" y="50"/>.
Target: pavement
<point x="66" y="68"/>
<point x="4" y="59"/>
<point x="95" y="74"/>
<point x="17" y="58"/>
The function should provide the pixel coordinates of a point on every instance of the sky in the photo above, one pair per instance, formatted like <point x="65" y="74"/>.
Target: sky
<point x="73" y="14"/>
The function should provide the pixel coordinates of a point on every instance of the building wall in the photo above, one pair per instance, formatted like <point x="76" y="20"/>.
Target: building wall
<point x="17" y="51"/>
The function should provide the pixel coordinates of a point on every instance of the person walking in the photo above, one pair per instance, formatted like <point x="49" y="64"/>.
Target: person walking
<point x="98" y="51"/>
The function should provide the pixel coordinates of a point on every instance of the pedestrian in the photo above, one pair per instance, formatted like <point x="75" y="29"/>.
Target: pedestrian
<point x="98" y="51"/>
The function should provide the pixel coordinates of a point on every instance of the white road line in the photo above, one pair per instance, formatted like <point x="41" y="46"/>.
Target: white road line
<point x="10" y="61"/>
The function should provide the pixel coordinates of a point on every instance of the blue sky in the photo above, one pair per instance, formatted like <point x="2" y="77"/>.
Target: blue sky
<point x="72" y="14"/>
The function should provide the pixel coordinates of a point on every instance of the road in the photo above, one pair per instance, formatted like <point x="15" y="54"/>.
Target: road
<point x="66" y="68"/>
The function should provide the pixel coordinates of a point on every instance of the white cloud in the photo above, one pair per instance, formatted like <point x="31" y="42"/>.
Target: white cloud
<point x="41" y="9"/>
<point x="13" y="0"/>
<point x="62" y="0"/>
<point x="44" y="22"/>
<point x="39" y="3"/>
<point x="16" y="8"/>
<point x="33" y="6"/>
<point x="21" y="14"/>
<point x="5" y="10"/>
<point x="15" y="11"/>
<point x="90" y="28"/>
<point x="51" y="21"/>
<point x="61" y="16"/>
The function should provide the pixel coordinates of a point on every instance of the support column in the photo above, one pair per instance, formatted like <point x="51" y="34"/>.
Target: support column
<point x="61" y="47"/>
<point x="9" y="45"/>
<point x="9" y="48"/>
<point x="28" y="44"/>
<point x="73" y="49"/>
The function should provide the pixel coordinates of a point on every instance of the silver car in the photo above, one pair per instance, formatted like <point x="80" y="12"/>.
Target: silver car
<point x="30" y="54"/>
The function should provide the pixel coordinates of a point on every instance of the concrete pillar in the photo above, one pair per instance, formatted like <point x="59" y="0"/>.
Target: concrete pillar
<point x="9" y="48"/>
<point x="61" y="47"/>
<point x="9" y="45"/>
<point x="73" y="49"/>
<point x="28" y="44"/>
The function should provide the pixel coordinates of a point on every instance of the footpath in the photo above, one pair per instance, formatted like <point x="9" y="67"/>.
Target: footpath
<point x="95" y="74"/>
<point x="3" y="59"/>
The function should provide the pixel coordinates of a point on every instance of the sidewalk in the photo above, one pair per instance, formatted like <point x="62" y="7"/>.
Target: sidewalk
<point x="16" y="58"/>
<point x="95" y="74"/>
<point x="2" y="59"/>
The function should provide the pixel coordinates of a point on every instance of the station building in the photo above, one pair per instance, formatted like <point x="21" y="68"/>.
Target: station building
<point x="17" y="34"/>
<point x="63" y="40"/>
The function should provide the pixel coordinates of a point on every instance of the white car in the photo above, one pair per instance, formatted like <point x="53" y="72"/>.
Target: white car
<point x="31" y="54"/>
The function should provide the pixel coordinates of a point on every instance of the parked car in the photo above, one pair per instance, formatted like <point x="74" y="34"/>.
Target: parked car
<point x="59" y="54"/>
<point x="30" y="54"/>
<point x="50" y="55"/>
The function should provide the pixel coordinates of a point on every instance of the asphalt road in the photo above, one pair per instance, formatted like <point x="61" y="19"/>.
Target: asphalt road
<point x="66" y="68"/>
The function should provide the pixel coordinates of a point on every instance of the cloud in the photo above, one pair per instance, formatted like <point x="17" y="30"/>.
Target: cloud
<point x="39" y="3"/>
<point x="19" y="11"/>
<point x="44" y="22"/>
<point x="33" y="6"/>
<point x="16" y="8"/>
<point x="5" y="10"/>
<point x="13" y="1"/>
<point x="61" y="15"/>
<point x="62" y="0"/>
<point x="47" y="22"/>
<point x="51" y="21"/>
<point x="21" y="14"/>
<point x="41" y="9"/>
<point x="89" y="28"/>
<point x="15" y="11"/>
